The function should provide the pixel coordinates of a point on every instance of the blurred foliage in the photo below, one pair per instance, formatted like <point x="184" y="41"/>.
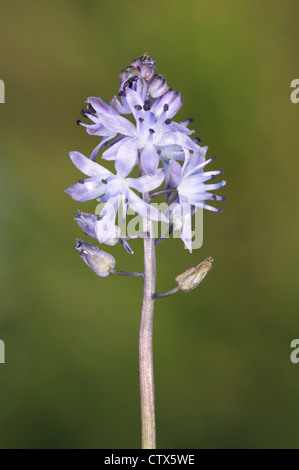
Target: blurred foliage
<point x="222" y="368"/>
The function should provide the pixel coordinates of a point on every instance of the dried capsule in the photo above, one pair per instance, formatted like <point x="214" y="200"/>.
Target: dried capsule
<point x="189" y="279"/>
<point x="99" y="261"/>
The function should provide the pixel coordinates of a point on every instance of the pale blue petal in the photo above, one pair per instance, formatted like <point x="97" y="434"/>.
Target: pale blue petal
<point x="186" y="233"/>
<point x="136" y="103"/>
<point x="100" y="106"/>
<point x="149" y="159"/>
<point x="144" y="209"/>
<point x="118" y="124"/>
<point x="87" y="222"/>
<point x="127" y="157"/>
<point x="111" y="152"/>
<point x="175" y="172"/>
<point x="173" y="100"/>
<point x="87" y="166"/>
<point x="120" y="108"/>
<point x="147" y="183"/>
<point x="86" y="190"/>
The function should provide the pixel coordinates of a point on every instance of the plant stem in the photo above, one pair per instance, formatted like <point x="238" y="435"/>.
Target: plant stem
<point x="162" y="191"/>
<point x="146" y="368"/>
<point x="127" y="273"/>
<point x="161" y="295"/>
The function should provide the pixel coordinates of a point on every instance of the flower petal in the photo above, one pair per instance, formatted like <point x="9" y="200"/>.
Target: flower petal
<point x="147" y="182"/>
<point x="87" y="222"/>
<point x="149" y="159"/>
<point x="120" y="108"/>
<point x="173" y="100"/>
<point x="103" y="142"/>
<point x="175" y="172"/>
<point x="87" y="166"/>
<point x="144" y="209"/>
<point x="85" y="190"/>
<point x="106" y="230"/>
<point x="178" y="127"/>
<point x="118" y="124"/>
<point x="100" y="106"/>
<point x="186" y="233"/>
<point x="177" y="138"/>
<point x="127" y="157"/>
<point x="197" y="158"/>
<point x="98" y="129"/>
<point x="136" y="103"/>
<point x="111" y="152"/>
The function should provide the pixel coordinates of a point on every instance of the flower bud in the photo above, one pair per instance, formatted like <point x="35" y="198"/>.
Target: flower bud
<point x="147" y="72"/>
<point x="87" y="222"/>
<point x="127" y="73"/>
<point x="99" y="261"/>
<point x="157" y="86"/>
<point x="144" y="60"/>
<point x="189" y="279"/>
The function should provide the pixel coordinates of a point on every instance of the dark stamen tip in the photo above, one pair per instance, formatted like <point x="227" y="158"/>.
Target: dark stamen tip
<point x="220" y="211"/>
<point x="213" y="177"/>
<point x="84" y="113"/>
<point x="140" y="119"/>
<point x="224" y="198"/>
<point x="78" y="122"/>
<point x="81" y="181"/>
<point x="165" y="107"/>
<point x="214" y="197"/>
<point x="78" y="213"/>
<point x="99" y="217"/>
<point x="104" y="181"/>
<point x="222" y="172"/>
<point x="168" y="121"/>
<point x="159" y="152"/>
<point x="78" y="243"/>
<point x="197" y="139"/>
<point x="190" y="120"/>
<point x="146" y="106"/>
<point x="91" y="108"/>
<point x="138" y="107"/>
<point x="126" y="200"/>
<point x="213" y="157"/>
<point x="151" y="131"/>
<point x="122" y="93"/>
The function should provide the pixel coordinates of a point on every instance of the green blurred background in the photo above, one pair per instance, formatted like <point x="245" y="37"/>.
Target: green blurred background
<point x="222" y="353"/>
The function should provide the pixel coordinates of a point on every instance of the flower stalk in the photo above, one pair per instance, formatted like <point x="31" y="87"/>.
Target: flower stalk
<point x="146" y="363"/>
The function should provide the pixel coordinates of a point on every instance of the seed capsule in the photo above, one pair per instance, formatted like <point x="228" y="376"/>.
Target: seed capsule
<point x="99" y="261"/>
<point x="189" y="279"/>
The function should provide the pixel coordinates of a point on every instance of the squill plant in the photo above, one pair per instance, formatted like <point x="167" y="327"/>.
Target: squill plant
<point x="170" y="164"/>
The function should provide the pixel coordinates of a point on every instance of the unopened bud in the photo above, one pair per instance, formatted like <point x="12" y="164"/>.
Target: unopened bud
<point x="99" y="261"/>
<point x="147" y="72"/>
<point x="87" y="222"/>
<point x="143" y="60"/>
<point x="127" y="73"/>
<point x="189" y="279"/>
<point x="157" y="86"/>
